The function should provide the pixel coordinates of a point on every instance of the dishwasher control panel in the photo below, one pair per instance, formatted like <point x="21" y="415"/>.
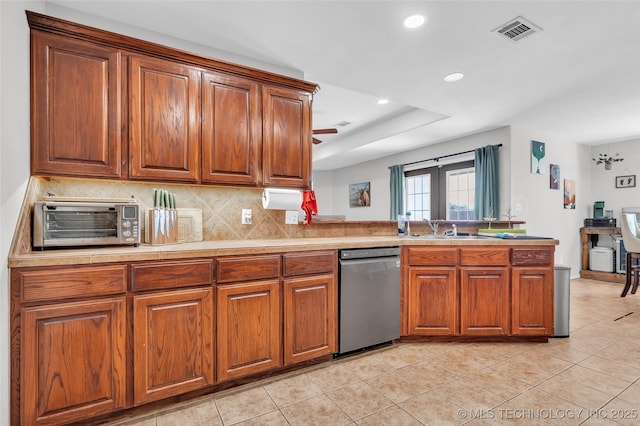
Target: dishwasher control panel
<point x="364" y="253"/>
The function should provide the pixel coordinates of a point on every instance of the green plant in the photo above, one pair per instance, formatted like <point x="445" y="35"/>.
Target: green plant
<point x="607" y="159"/>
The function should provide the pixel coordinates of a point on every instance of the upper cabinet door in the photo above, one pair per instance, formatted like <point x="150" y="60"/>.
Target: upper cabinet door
<point x="164" y="110"/>
<point x="231" y="130"/>
<point x="75" y="107"/>
<point x="286" y="137"/>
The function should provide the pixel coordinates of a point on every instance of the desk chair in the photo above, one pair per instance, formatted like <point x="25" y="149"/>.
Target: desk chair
<point x="631" y="238"/>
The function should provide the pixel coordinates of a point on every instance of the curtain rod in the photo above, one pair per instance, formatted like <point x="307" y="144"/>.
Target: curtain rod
<point x="436" y="159"/>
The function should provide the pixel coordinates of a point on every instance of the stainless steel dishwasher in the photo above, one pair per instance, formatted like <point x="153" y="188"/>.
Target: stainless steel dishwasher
<point x="369" y="297"/>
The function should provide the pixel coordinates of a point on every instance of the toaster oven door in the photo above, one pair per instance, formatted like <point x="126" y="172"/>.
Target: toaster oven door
<point x="77" y="226"/>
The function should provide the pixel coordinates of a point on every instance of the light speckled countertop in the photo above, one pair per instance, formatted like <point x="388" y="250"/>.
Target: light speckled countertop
<point x="144" y="252"/>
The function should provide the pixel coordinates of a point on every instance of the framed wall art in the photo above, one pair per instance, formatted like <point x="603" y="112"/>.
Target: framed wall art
<point x="537" y="157"/>
<point x="569" y="194"/>
<point x="626" y="181"/>
<point x="360" y="194"/>
<point x="554" y="176"/>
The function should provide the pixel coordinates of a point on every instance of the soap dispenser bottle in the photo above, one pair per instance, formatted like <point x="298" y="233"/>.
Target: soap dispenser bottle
<point x="408" y="226"/>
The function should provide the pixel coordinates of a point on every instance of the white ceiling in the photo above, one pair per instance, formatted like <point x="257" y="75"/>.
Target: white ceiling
<point x="577" y="80"/>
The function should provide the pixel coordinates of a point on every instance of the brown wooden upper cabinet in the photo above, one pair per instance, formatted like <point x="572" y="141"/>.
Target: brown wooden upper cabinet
<point x="164" y="136"/>
<point x="109" y="106"/>
<point x="231" y="131"/>
<point x="286" y="137"/>
<point x="75" y="107"/>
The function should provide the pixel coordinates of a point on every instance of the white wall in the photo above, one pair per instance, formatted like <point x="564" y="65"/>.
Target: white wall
<point x="377" y="173"/>
<point x="14" y="156"/>
<point x="604" y="188"/>
<point x="543" y="208"/>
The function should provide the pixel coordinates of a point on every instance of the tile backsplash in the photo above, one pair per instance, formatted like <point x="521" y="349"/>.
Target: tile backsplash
<point x="221" y="208"/>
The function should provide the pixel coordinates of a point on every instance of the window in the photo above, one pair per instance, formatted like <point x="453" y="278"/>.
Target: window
<point x="461" y="193"/>
<point x="441" y="192"/>
<point x="419" y="196"/>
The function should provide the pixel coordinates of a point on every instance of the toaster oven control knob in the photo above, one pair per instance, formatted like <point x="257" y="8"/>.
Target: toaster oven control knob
<point x="126" y="233"/>
<point x="126" y="224"/>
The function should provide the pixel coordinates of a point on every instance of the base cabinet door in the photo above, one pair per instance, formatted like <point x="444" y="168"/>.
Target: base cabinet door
<point x="310" y="326"/>
<point x="74" y="367"/>
<point x="248" y="328"/>
<point x="532" y="301"/>
<point x="173" y="343"/>
<point x="432" y="301"/>
<point x="484" y="301"/>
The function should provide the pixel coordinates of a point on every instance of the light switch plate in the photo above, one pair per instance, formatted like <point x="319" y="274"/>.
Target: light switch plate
<point x="246" y="216"/>
<point x="291" y="217"/>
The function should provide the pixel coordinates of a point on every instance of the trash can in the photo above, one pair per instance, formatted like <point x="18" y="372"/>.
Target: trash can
<point x="561" y="296"/>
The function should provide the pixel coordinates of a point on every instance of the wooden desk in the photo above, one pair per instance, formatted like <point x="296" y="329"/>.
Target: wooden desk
<point x="590" y="235"/>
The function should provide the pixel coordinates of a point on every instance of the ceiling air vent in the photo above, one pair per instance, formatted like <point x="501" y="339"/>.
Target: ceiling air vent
<point x="517" y="29"/>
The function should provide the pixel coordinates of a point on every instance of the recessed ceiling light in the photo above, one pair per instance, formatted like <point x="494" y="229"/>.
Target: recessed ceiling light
<point x="453" y="77"/>
<point x="414" y="21"/>
<point x="383" y="101"/>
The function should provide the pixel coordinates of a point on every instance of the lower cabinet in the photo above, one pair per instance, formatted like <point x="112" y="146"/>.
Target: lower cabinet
<point x="531" y="312"/>
<point x="72" y="361"/>
<point x="248" y="328"/>
<point x="432" y="300"/>
<point x="477" y="291"/>
<point x="173" y="343"/>
<point x="309" y="318"/>
<point x="484" y="301"/>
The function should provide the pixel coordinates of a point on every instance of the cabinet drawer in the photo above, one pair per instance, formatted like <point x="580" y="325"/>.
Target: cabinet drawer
<point x="484" y="256"/>
<point x="165" y="275"/>
<point x="63" y="283"/>
<point x="314" y="262"/>
<point x="248" y="268"/>
<point x="531" y="256"/>
<point x="425" y="256"/>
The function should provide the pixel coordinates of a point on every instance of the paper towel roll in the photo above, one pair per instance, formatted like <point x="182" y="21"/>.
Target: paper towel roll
<point x="281" y="199"/>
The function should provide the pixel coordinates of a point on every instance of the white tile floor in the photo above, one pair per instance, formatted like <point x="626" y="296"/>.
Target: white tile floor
<point x="590" y="378"/>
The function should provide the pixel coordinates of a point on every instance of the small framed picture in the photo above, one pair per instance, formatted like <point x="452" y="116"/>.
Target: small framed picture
<point x="360" y="194"/>
<point x="626" y="181"/>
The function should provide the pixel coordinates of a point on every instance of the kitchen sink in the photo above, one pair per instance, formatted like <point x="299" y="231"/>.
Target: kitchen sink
<point x="446" y="237"/>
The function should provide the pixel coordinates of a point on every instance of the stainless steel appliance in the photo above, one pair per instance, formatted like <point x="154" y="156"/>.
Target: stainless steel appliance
<point x="369" y="297"/>
<point x="85" y="223"/>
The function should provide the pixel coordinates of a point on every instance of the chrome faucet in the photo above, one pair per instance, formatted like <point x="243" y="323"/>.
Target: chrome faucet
<point x="434" y="226"/>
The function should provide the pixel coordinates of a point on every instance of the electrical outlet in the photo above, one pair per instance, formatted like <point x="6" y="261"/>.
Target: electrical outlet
<point x="246" y="216"/>
<point x="291" y="217"/>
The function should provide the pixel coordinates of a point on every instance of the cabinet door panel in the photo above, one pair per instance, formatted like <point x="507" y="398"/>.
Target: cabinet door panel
<point x="75" y="108"/>
<point x="164" y="109"/>
<point x="484" y="301"/>
<point x="432" y="307"/>
<point x="173" y="343"/>
<point x="75" y="365"/>
<point x="310" y="324"/>
<point x="231" y="130"/>
<point x="248" y="328"/>
<point x="532" y="301"/>
<point x="286" y="137"/>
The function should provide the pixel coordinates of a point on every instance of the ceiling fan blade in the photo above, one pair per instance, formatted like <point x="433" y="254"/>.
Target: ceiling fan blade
<point x="324" y="131"/>
<point x="316" y="141"/>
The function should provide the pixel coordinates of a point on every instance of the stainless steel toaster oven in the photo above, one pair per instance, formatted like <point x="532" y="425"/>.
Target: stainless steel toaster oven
<point x="85" y="223"/>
